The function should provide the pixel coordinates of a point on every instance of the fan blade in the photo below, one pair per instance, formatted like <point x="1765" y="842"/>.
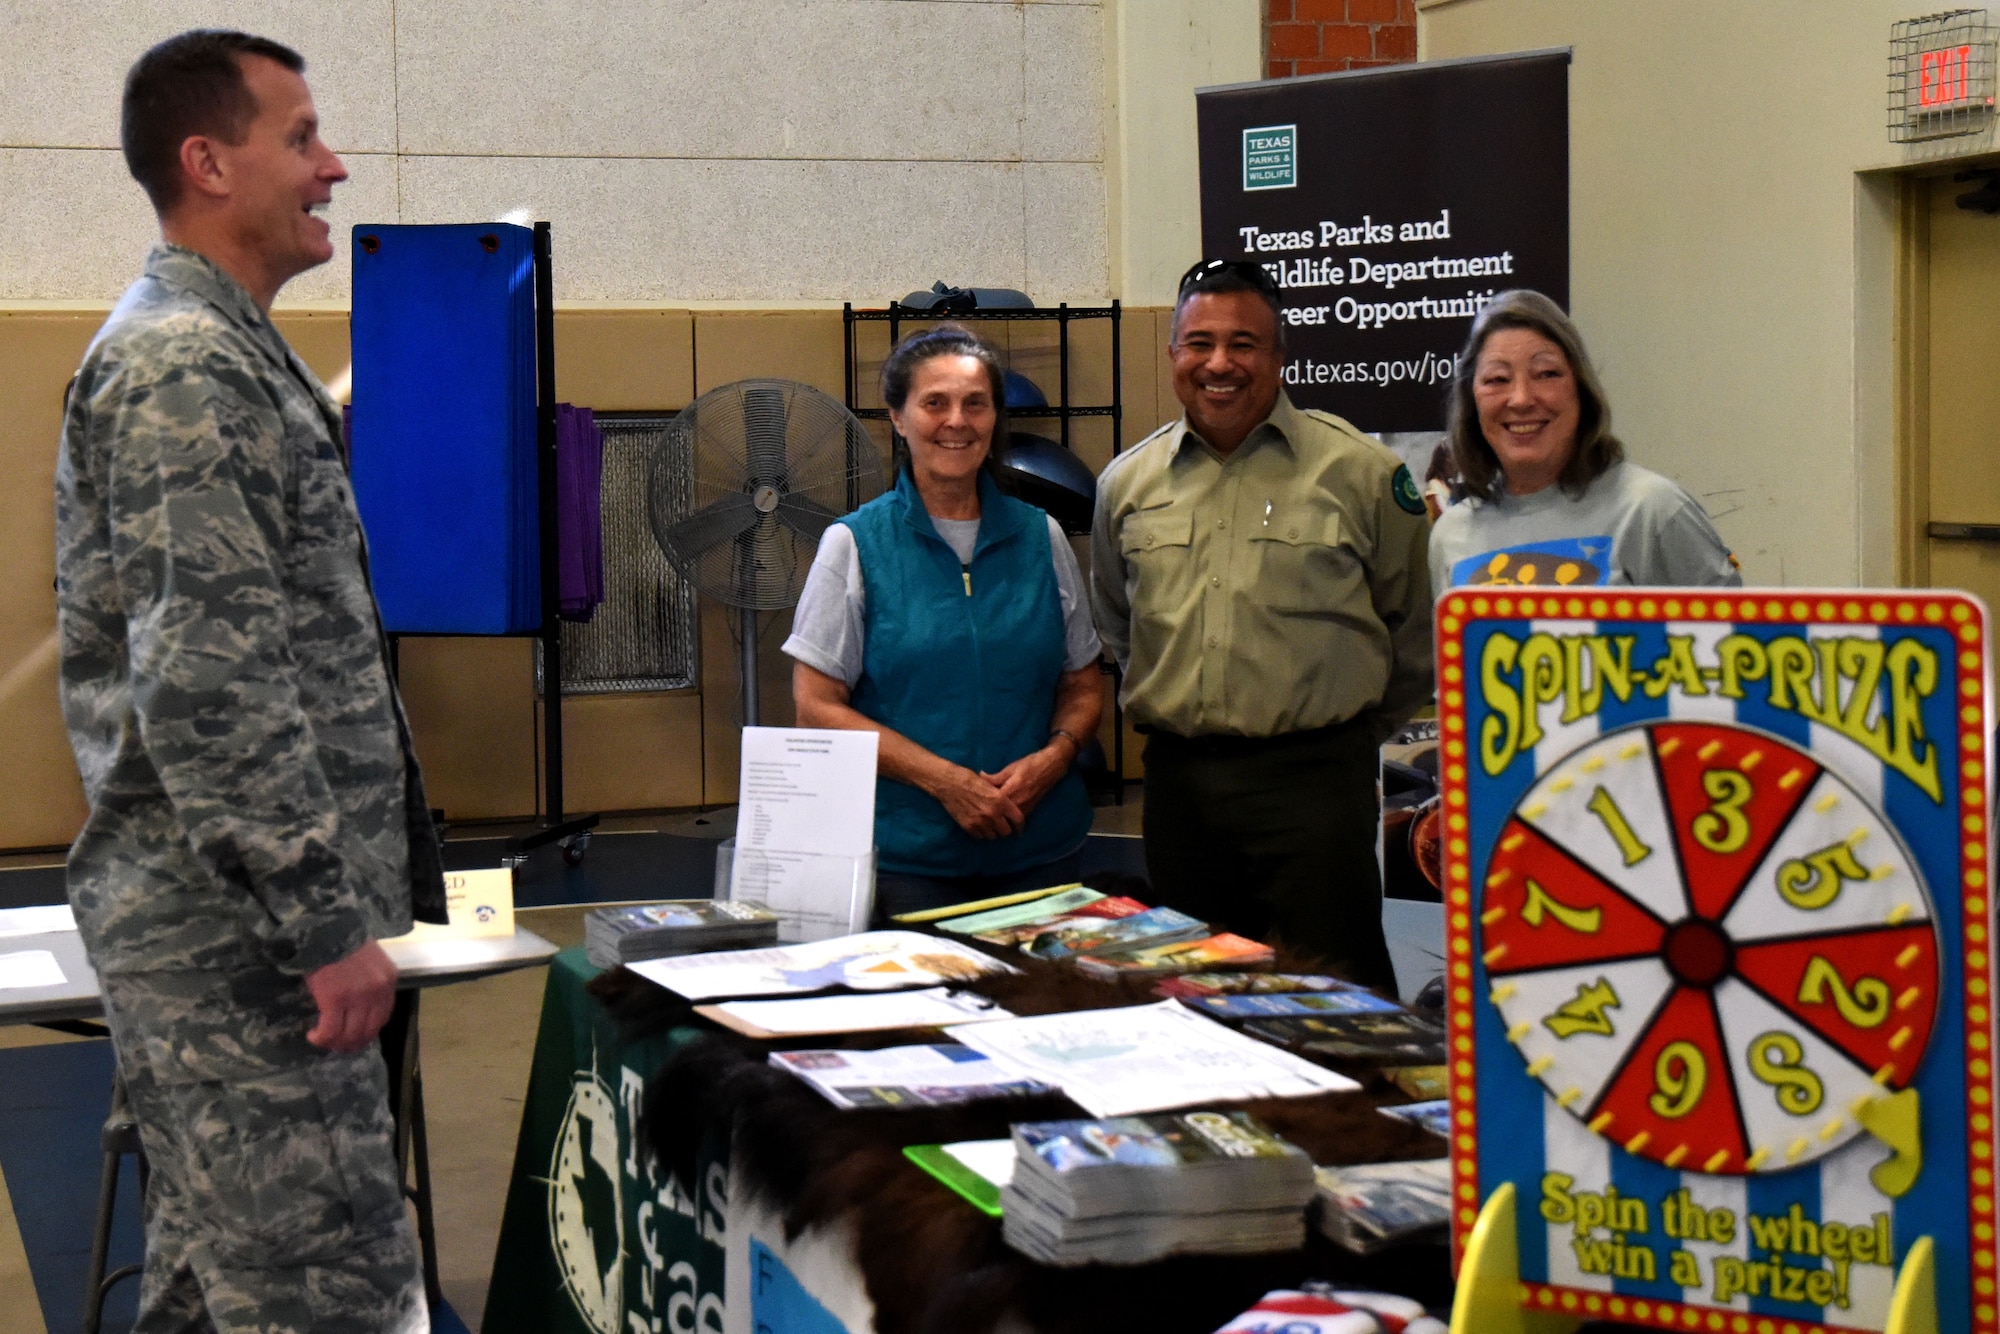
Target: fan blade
<point x="807" y="518"/>
<point x="724" y="521"/>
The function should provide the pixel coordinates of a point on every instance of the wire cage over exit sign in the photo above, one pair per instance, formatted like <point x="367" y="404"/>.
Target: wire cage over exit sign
<point x="1941" y="75"/>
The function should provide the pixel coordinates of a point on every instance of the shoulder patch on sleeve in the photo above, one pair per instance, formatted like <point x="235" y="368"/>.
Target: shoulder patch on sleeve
<point x="1404" y="488"/>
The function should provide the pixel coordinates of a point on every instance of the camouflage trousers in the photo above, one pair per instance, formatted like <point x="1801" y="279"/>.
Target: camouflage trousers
<point x="275" y="1205"/>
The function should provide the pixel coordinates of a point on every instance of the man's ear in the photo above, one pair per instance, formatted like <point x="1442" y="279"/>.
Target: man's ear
<point x="202" y="169"/>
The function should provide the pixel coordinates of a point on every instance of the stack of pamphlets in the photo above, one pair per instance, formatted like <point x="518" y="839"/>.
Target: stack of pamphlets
<point x="1398" y="1038"/>
<point x="1434" y="1116"/>
<point x="933" y="1075"/>
<point x="1181" y="956"/>
<point x="870" y="961"/>
<point x="1374" y="1205"/>
<point x="1425" y="1083"/>
<point x="1137" y="1189"/>
<point x="1014" y="925"/>
<point x="612" y="936"/>
<point x="1321" y="1309"/>
<point x="1235" y="984"/>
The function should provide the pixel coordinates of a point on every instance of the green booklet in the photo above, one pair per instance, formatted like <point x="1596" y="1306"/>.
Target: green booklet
<point x="976" y="1168"/>
<point x="1046" y="909"/>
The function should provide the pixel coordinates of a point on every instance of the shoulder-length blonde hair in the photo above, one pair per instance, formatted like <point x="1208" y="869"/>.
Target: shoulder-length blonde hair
<point x="1596" y="448"/>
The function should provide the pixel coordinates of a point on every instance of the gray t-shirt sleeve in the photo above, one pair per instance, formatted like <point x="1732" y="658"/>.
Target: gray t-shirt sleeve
<point x="827" y="626"/>
<point x="1080" y="643"/>
<point x="1685" y="549"/>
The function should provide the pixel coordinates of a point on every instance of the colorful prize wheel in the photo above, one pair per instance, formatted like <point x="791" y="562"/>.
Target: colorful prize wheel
<point x="1708" y="947"/>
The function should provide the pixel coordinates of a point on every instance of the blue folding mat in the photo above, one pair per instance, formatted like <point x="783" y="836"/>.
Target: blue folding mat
<point x="444" y="446"/>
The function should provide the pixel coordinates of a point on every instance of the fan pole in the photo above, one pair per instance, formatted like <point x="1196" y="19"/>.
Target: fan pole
<point x="750" y="667"/>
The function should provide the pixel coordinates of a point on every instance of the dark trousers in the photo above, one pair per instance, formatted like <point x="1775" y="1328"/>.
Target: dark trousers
<point x="1273" y="838"/>
<point x="898" y="893"/>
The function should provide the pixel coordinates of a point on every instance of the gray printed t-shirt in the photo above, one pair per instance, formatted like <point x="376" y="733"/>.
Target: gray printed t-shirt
<point x="828" y="631"/>
<point x="1632" y="526"/>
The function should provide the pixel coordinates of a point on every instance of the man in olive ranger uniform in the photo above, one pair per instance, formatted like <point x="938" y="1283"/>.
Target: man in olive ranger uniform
<point x="1259" y="573"/>
<point x="257" y="821"/>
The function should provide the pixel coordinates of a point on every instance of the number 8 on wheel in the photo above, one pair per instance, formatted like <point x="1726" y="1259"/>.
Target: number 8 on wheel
<point x="1718" y="920"/>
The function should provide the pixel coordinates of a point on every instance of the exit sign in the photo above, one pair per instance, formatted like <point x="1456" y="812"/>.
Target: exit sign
<point x="1941" y="75"/>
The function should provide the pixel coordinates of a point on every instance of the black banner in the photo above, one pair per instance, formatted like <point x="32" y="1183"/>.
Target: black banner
<point x="1390" y="205"/>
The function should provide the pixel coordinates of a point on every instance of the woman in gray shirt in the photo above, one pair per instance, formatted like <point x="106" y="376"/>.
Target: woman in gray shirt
<point x="1553" y="499"/>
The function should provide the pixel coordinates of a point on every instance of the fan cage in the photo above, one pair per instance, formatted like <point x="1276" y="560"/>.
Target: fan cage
<point x="644" y="635"/>
<point x="1941" y="75"/>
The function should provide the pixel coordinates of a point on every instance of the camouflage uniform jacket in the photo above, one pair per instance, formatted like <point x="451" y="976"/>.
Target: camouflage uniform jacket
<point x="254" y="798"/>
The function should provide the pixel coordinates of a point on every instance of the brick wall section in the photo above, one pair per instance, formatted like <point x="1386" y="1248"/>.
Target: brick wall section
<point x="1321" y="36"/>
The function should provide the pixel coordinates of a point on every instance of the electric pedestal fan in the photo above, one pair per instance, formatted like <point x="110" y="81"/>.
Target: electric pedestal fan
<point x="774" y="463"/>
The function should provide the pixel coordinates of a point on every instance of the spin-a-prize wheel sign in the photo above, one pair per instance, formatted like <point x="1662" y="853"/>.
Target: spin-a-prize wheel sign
<point x="1718" y="922"/>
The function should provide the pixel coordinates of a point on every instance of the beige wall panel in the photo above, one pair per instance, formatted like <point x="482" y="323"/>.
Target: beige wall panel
<point x="321" y="338"/>
<point x="625" y="360"/>
<point x="695" y="78"/>
<point x="41" y="800"/>
<point x="1716" y="249"/>
<point x="1063" y="223"/>
<point x="471" y="704"/>
<point x="1063" y="84"/>
<point x="79" y="54"/>
<point x="681" y="230"/>
<point x="803" y="345"/>
<point x="632" y="752"/>
<point x="76" y="227"/>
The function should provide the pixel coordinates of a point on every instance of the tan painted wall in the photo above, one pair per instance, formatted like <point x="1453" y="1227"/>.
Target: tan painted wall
<point x="471" y="701"/>
<point x="1733" y="252"/>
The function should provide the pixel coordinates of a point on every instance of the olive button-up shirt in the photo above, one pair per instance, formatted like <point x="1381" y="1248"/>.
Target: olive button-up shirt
<point x="1276" y="589"/>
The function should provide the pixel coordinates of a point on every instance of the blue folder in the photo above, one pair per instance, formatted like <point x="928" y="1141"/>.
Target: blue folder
<point x="444" y="446"/>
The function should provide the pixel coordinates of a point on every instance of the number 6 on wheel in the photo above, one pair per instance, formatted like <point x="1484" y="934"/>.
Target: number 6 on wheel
<point x="1718" y="915"/>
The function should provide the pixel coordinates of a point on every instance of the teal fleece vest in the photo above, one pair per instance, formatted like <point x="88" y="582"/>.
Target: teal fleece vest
<point x="971" y="677"/>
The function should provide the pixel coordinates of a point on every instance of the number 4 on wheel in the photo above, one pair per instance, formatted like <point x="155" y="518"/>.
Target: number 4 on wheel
<point x="1719" y="961"/>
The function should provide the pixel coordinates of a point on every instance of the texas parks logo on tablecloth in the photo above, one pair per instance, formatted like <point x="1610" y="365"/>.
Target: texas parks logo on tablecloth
<point x="586" y="1214"/>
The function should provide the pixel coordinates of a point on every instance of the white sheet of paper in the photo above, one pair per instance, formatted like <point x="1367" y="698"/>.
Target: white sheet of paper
<point x="1147" y="1058"/>
<point x="993" y="1159"/>
<point x="806" y="789"/>
<point x="30" y="968"/>
<point x="861" y="1014"/>
<point x="872" y="961"/>
<point x="36" y="921"/>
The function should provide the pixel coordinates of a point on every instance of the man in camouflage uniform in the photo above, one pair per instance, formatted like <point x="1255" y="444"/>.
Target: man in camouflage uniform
<point x="257" y="821"/>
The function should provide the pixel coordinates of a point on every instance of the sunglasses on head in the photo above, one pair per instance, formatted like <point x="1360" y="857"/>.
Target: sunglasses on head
<point x="1255" y="274"/>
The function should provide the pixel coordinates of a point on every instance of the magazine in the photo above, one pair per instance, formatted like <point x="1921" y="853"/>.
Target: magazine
<point x="1434" y="1116"/>
<point x="1305" y="1002"/>
<point x="929" y="1075"/>
<point x="1402" y="1038"/>
<point x="1232" y="984"/>
<point x="1179" y="956"/>
<point x="1022" y="937"/>
<point x="1372" y="1205"/>
<point x="1042" y="909"/>
<point x="1155" y="926"/>
<point x="870" y="961"/>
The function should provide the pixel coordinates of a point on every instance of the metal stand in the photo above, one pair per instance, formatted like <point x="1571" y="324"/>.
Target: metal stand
<point x="572" y="833"/>
<point x="750" y="667"/>
<point x="406" y="1101"/>
<point x="119" y="1137"/>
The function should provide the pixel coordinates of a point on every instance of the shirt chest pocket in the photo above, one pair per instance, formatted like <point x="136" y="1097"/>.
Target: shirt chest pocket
<point x="1304" y="559"/>
<point x="1159" y="568"/>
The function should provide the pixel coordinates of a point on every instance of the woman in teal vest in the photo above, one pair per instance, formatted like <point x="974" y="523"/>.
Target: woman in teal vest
<point x="952" y="620"/>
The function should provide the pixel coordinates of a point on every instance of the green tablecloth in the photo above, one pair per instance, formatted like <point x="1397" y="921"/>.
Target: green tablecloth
<point x="596" y="1239"/>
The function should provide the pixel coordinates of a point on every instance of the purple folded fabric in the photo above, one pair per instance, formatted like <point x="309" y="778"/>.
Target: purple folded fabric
<point x="579" y="514"/>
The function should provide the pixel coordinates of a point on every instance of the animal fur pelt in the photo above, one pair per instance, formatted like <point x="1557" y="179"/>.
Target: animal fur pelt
<point x="931" y="1263"/>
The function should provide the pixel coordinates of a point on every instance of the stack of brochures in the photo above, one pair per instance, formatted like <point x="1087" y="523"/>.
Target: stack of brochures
<point x="612" y="936"/>
<point x="1132" y="1190"/>
<point x="1376" y="1205"/>
<point x="1107" y="936"/>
